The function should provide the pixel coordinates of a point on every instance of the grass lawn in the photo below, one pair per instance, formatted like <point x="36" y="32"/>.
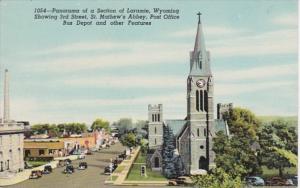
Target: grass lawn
<point x="275" y="172"/>
<point x="140" y="159"/>
<point x="37" y="163"/>
<point x="134" y="174"/>
<point x="119" y="169"/>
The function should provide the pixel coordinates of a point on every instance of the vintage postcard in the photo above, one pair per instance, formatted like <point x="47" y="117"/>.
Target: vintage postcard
<point x="148" y="93"/>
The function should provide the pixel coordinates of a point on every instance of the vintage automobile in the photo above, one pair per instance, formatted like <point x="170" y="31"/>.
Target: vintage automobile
<point x="47" y="169"/>
<point x="255" y="181"/>
<point x="82" y="166"/>
<point x="276" y="181"/>
<point x="107" y="170"/>
<point x="68" y="161"/>
<point x="69" y="169"/>
<point x="35" y="174"/>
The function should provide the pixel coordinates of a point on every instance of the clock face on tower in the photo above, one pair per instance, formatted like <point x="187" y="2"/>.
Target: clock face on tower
<point x="200" y="83"/>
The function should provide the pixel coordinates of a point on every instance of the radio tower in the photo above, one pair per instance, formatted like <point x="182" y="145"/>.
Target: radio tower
<point x="6" y="97"/>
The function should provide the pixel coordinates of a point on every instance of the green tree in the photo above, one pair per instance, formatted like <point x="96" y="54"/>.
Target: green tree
<point x="234" y="154"/>
<point x="278" y="144"/>
<point x="75" y="128"/>
<point x="124" y="125"/>
<point x="51" y="130"/>
<point x="99" y="124"/>
<point x="218" y="178"/>
<point x="128" y="139"/>
<point x="168" y="153"/>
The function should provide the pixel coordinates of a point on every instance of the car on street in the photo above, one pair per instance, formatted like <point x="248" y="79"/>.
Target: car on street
<point x="107" y="170"/>
<point x="255" y="181"/>
<point x="276" y="181"/>
<point x="47" y="169"/>
<point x="69" y="169"/>
<point x="68" y="161"/>
<point x="35" y="174"/>
<point x="82" y="166"/>
<point x="295" y="180"/>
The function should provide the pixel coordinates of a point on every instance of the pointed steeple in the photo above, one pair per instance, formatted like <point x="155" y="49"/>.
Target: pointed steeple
<point x="199" y="57"/>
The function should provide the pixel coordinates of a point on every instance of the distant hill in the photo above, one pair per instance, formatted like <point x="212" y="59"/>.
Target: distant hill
<point x="292" y="120"/>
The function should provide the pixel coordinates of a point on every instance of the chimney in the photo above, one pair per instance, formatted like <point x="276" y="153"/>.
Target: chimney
<point x="6" y="97"/>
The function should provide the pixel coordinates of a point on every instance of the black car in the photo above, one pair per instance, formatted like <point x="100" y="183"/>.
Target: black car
<point x="82" y="166"/>
<point x="107" y="170"/>
<point x="47" y="169"/>
<point x="68" y="161"/>
<point x="69" y="169"/>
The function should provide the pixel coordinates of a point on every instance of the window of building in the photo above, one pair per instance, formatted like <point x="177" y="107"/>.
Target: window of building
<point x="158" y="115"/>
<point x="156" y="162"/>
<point x="201" y="147"/>
<point x="41" y="152"/>
<point x="10" y="139"/>
<point x="197" y="100"/>
<point x="198" y="132"/>
<point x="152" y="117"/>
<point x="205" y="101"/>
<point x="204" y="132"/>
<point x="1" y="154"/>
<point x="155" y="141"/>
<point x="201" y="100"/>
<point x="27" y="153"/>
<point x="154" y="130"/>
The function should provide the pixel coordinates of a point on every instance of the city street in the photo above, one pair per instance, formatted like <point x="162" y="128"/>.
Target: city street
<point x="92" y="177"/>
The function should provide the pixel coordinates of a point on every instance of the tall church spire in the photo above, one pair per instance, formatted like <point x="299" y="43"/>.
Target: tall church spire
<point x="199" y="57"/>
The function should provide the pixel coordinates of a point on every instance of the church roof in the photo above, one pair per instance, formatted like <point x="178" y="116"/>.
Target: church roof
<point x="199" y="57"/>
<point x="176" y="125"/>
<point x="221" y="125"/>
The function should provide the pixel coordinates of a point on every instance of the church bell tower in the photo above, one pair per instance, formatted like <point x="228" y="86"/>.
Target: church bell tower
<point x="200" y="111"/>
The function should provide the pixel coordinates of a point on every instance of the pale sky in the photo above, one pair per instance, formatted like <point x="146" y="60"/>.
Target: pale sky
<point x="66" y="74"/>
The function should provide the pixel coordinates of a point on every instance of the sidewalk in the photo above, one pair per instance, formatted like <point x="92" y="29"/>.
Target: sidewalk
<point x="127" y="163"/>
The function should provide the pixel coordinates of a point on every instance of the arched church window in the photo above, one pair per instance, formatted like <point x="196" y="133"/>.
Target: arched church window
<point x="201" y="100"/>
<point x="155" y="130"/>
<point x="204" y="132"/>
<point x="197" y="100"/>
<point x="155" y="141"/>
<point x="152" y="117"/>
<point x="203" y="163"/>
<point x="198" y="132"/>
<point x="158" y="119"/>
<point x="205" y="101"/>
<point x="156" y="162"/>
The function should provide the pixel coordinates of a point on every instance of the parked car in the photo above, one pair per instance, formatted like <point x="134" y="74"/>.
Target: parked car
<point x="184" y="180"/>
<point x="35" y="174"/>
<point x="255" y="181"/>
<point x="295" y="180"/>
<point x="89" y="152"/>
<point x="69" y="169"/>
<point x="107" y="170"/>
<point x="82" y="166"/>
<point x="61" y="163"/>
<point x="276" y="181"/>
<point x="47" y="169"/>
<point x="68" y="161"/>
<point x="289" y="182"/>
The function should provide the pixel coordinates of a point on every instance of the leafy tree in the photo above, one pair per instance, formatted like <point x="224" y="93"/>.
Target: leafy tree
<point x="218" y="178"/>
<point x="124" y="125"/>
<point x="99" y="124"/>
<point x="234" y="154"/>
<point x="128" y="139"/>
<point x="75" y="128"/>
<point x="278" y="144"/>
<point x="51" y="130"/>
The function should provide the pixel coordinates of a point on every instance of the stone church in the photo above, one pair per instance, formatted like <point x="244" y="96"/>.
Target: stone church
<point x="193" y="135"/>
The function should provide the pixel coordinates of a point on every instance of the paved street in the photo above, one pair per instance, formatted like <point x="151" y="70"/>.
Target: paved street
<point x="92" y="177"/>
